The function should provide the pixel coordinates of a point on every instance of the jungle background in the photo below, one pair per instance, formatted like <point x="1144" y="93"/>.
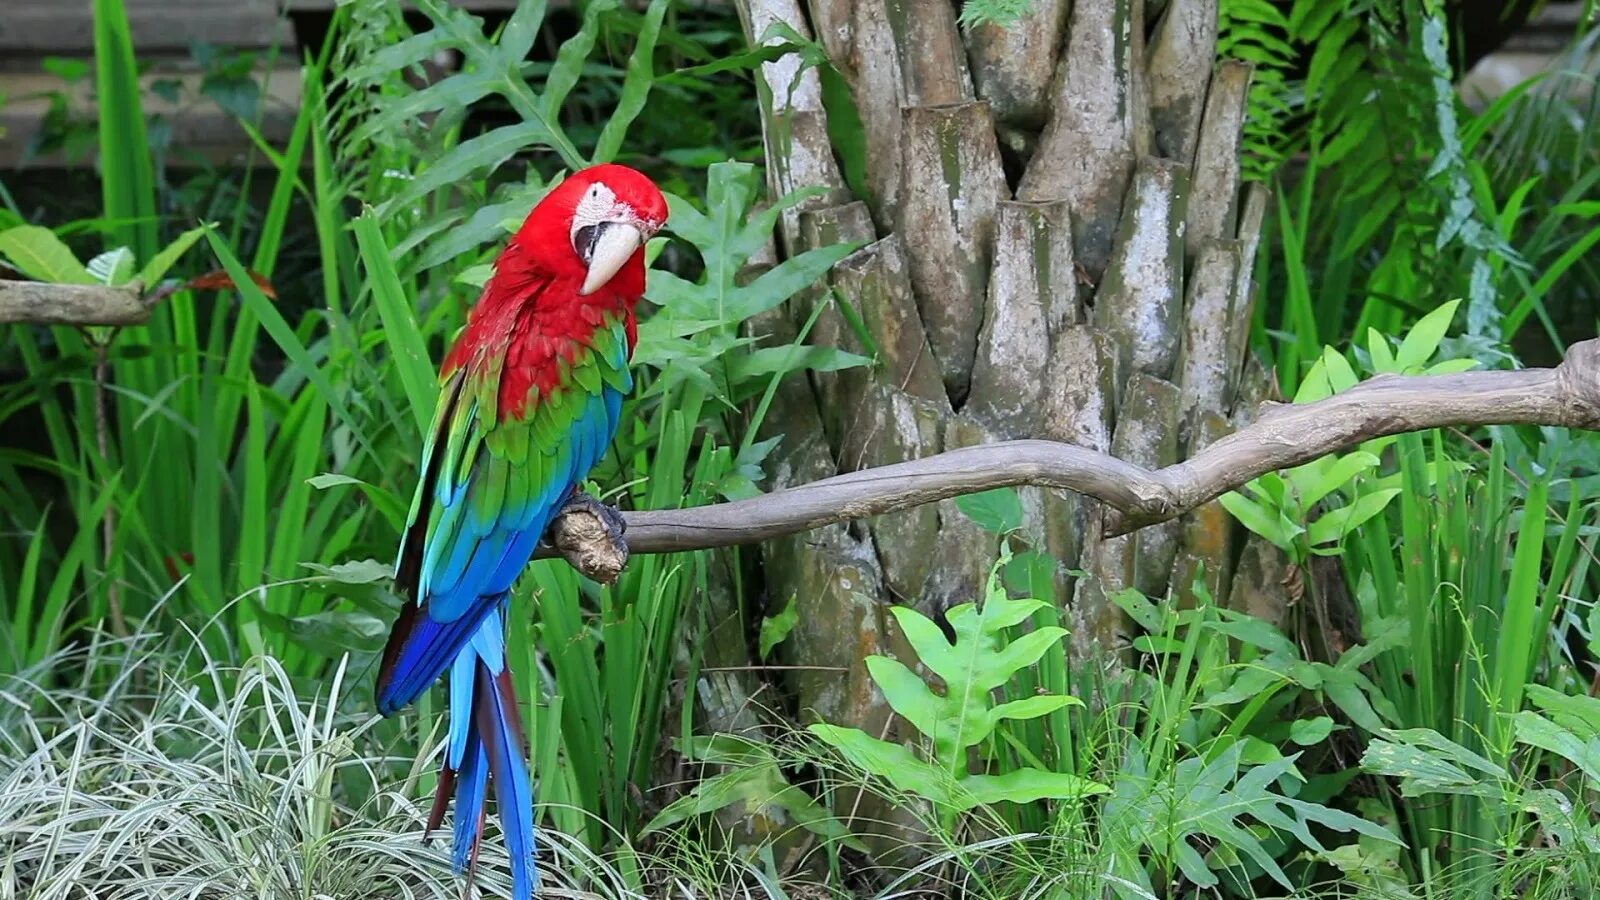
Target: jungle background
<point x="896" y="228"/>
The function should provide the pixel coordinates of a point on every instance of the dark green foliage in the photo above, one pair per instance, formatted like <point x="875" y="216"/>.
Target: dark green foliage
<point x="1400" y="197"/>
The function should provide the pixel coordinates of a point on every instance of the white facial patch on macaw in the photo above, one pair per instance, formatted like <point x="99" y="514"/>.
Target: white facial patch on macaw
<point x="600" y="204"/>
<point x="605" y="234"/>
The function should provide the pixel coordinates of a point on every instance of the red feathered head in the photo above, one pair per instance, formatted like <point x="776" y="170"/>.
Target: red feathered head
<point x="592" y="228"/>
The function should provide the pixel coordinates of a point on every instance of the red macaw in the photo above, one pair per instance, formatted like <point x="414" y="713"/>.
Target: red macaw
<point x="529" y="401"/>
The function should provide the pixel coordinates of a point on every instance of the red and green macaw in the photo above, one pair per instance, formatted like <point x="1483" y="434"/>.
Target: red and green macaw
<point x="529" y="401"/>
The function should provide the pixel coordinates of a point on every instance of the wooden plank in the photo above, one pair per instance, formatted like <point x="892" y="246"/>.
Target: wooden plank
<point x="476" y="6"/>
<point x="51" y="27"/>
<point x="200" y="128"/>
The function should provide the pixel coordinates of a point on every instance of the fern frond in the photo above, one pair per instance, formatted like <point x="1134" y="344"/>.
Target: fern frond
<point x="1002" y="13"/>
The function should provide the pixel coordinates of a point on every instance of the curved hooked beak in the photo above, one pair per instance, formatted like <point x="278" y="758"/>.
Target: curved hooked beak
<point x="605" y="247"/>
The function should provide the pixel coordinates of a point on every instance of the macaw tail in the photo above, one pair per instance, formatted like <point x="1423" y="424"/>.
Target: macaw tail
<point x="420" y="649"/>
<point x="486" y="743"/>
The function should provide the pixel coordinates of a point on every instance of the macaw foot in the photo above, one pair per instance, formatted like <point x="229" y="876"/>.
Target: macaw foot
<point x="589" y="534"/>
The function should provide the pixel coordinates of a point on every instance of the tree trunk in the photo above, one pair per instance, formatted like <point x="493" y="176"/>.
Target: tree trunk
<point x="1056" y="247"/>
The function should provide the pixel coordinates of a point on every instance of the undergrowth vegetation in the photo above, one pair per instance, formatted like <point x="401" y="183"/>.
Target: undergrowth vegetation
<point x="197" y="515"/>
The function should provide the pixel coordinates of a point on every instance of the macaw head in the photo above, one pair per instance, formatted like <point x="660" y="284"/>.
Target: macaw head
<point x="592" y="226"/>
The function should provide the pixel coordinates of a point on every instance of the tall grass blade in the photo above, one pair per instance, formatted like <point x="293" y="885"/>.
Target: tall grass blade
<point x="126" y="172"/>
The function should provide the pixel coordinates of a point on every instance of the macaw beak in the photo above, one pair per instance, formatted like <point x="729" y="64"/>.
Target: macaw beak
<point x="605" y="248"/>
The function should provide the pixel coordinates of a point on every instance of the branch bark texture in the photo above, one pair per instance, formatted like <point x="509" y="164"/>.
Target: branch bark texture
<point x="72" y="304"/>
<point x="1135" y="497"/>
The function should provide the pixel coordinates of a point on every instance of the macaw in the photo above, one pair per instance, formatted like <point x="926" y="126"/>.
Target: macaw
<point x="529" y="398"/>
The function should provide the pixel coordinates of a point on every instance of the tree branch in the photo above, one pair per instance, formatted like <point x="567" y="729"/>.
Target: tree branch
<point x="72" y="304"/>
<point x="1284" y="436"/>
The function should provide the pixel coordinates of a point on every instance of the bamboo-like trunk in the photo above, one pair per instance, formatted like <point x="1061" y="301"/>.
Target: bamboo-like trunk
<point x="1056" y="247"/>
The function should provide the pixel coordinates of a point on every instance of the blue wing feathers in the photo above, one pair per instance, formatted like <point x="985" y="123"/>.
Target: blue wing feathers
<point x="516" y="556"/>
<point x="458" y="582"/>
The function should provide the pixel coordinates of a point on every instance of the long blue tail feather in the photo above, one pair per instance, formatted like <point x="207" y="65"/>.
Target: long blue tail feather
<point x="470" y="795"/>
<point x="502" y="726"/>
<point x="486" y="743"/>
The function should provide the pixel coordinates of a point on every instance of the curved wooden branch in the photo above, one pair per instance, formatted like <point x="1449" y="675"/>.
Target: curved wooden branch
<point x="1284" y="436"/>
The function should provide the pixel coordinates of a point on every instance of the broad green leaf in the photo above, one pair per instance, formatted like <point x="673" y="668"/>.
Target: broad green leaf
<point x="1451" y="366"/>
<point x="1315" y="385"/>
<point x="964" y="714"/>
<point x="157" y="266"/>
<point x="1336" y="474"/>
<point x="1575" y="712"/>
<point x="785" y="280"/>
<point x="755" y="780"/>
<point x="1145" y="614"/>
<point x="698" y="336"/>
<point x="1024" y="785"/>
<point x="330" y="632"/>
<point x="1335" y="524"/>
<point x="1445" y="748"/>
<point x="774" y="629"/>
<point x="1382" y="355"/>
<point x="1274" y="487"/>
<point x="1538" y="731"/>
<point x="476" y="276"/>
<point x="1023" y="652"/>
<point x="1256" y="752"/>
<point x="891" y="762"/>
<point x="567" y="69"/>
<point x="792" y="358"/>
<point x="484" y="153"/>
<point x="364" y="571"/>
<point x="1341" y="377"/>
<point x="1253" y="631"/>
<point x="998" y="613"/>
<point x="1306" y="732"/>
<point x="1248" y="683"/>
<point x="37" y="253"/>
<point x="709" y="796"/>
<point x="1430" y="766"/>
<point x="1258" y="519"/>
<point x="1344" y="687"/>
<point x="911" y="697"/>
<point x="1212" y="800"/>
<point x="726" y="749"/>
<point x="998" y="510"/>
<point x="386" y="502"/>
<point x="1423" y="341"/>
<point x="684" y="299"/>
<point x="747" y="60"/>
<point x="1033" y="707"/>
